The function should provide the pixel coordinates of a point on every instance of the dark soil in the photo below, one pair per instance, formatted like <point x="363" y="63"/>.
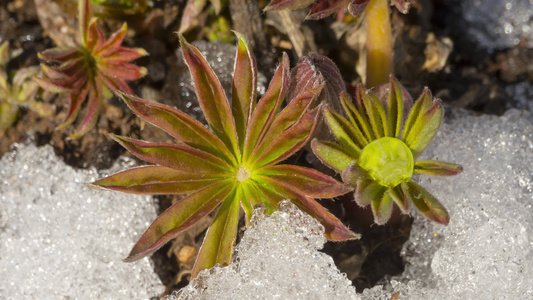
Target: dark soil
<point x="469" y="78"/>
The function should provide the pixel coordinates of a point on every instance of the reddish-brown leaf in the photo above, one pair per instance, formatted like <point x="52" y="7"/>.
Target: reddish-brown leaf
<point x="156" y="180"/>
<point x="180" y="125"/>
<point x="211" y="96"/>
<point x="178" y="157"/>
<point x="306" y="181"/>
<point x="179" y="217"/>
<point x="244" y="88"/>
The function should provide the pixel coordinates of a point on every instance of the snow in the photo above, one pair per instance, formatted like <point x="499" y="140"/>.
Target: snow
<point x="62" y="240"/>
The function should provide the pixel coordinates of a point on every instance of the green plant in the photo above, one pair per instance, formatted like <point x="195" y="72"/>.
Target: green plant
<point x="91" y="70"/>
<point x="235" y="163"/>
<point x="16" y="90"/>
<point x="377" y="149"/>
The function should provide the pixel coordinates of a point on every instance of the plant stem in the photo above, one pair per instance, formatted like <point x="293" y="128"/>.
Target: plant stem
<point x="379" y="43"/>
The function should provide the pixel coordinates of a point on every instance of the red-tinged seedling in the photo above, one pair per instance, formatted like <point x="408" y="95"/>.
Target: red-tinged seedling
<point x="324" y="8"/>
<point x="377" y="149"/>
<point x="91" y="70"/>
<point x="17" y="90"/>
<point x="236" y="162"/>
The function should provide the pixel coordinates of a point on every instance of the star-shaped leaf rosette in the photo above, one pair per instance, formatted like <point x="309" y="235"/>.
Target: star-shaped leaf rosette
<point x="234" y="163"/>
<point x="377" y="149"/>
<point x="90" y="70"/>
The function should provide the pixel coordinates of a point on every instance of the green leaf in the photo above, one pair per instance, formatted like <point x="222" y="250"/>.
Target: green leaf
<point x="156" y="180"/>
<point x="249" y="199"/>
<point x="437" y="168"/>
<point x="401" y="197"/>
<point x="219" y="241"/>
<point x="290" y="141"/>
<point x="369" y="193"/>
<point x="360" y="126"/>
<point x="178" y="157"/>
<point x="395" y="107"/>
<point x="332" y="155"/>
<point x="425" y="128"/>
<point x="267" y="108"/>
<point x="244" y="88"/>
<point x="375" y="114"/>
<point x="289" y="116"/>
<point x="180" y="125"/>
<point x="428" y="205"/>
<point x="211" y="96"/>
<point x="179" y="217"/>
<point x="382" y="208"/>
<point x="421" y="104"/>
<point x="343" y="131"/>
<point x="306" y="181"/>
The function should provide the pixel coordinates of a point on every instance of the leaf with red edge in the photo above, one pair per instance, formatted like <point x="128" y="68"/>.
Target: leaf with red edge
<point x="156" y="180"/>
<point x="211" y="96"/>
<point x="325" y="8"/>
<point x="59" y="54"/>
<point x="335" y="230"/>
<point x="267" y="108"/>
<point x="220" y="238"/>
<point x="437" y="168"/>
<point x="395" y="108"/>
<point x="244" y="88"/>
<point x="95" y="37"/>
<point x="401" y="197"/>
<point x="85" y="14"/>
<point x="345" y="133"/>
<point x="306" y="181"/>
<point x="76" y="99"/>
<point x="425" y="126"/>
<point x="287" y="4"/>
<point x="113" y="43"/>
<point x="332" y="155"/>
<point x="179" y="217"/>
<point x="421" y="104"/>
<point x="93" y="108"/>
<point x="382" y="208"/>
<point x="50" y="86"/>
<point x="290" y="141"/>
<point x="124" y="71"/>
<point x="290" y="115"/>
<point x="427" y="204"/>
<point x="367" y="193"/>
<point x="123" y="54"/>
<point x="178" y="124"/>
<point x="179" y="157"/>
<point x="115" y="84"/>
